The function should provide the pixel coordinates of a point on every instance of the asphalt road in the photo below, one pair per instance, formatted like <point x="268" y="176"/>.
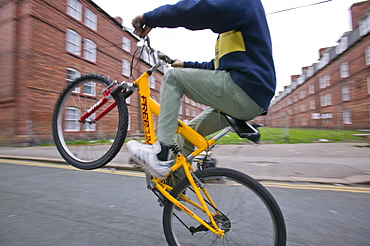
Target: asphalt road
<point x="47" y="204"/>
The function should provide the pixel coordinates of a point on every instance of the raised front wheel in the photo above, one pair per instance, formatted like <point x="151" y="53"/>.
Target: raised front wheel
<point x="88" y="144"/>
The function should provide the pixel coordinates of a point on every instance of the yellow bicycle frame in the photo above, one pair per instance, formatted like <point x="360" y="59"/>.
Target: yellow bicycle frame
<point x="150" y="107"/>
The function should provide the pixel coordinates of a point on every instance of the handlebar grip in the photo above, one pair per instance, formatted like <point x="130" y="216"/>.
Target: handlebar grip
<point x="165" y="58"/>
<point x="139" y="27"/>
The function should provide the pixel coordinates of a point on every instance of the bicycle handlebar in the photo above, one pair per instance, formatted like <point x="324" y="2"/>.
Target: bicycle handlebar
<point x="165" y="58"/>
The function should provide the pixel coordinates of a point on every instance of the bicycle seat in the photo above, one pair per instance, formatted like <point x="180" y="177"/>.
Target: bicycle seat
<point x="244" y="129"/>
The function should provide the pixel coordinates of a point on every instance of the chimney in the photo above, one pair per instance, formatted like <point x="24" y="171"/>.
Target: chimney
<point x="119" y="20"/>
<point x="357" y="11"/>
<point x="294" y="77"/>
<point x="322" y="51"/>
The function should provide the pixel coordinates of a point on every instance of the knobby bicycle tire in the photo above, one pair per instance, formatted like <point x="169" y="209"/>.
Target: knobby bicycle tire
<point x="247" y="212"/>
<point x="88" y="145"/>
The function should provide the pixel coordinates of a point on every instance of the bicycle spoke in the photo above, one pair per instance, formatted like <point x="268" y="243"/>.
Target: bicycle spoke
<point x="245" y="213"/>
<point x="88" y="144"/>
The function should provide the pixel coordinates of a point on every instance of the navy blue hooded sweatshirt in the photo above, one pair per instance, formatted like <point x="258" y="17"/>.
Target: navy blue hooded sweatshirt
<point x="243" y="47"/>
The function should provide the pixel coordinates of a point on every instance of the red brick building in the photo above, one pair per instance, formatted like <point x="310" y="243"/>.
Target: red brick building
<point x="44" y="45"/>
<point x="335" y="91"/>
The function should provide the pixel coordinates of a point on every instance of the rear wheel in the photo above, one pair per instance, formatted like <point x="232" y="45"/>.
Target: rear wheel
<point x="247" y="212"/>
<point x="88" y="144"/>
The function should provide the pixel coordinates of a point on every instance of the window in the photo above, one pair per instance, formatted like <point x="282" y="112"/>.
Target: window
<point x="327" y="118"/>
<point x="74" y="8"/>
<point x="90" y="19"/>
<point x="295" y="98"/>
<point x="302" y="108"/>
<point x="73" y="42"/>
<point x="345" y="93"/>
<point x="367" y="55"/>
<point x="152" y="82"/>
<point x="315" y="116"/>
<point x="89" y="50"/>
<point x="343" y="44"/>
<point x="347" y="118"/>
<point x="126" y="67"/>
<point x="303" y="121"/>
<point x="325" y="100"/>
<point x="72" y="74"/>
<point x="129" y="123"/>
<point x="89" y="127"/>
<point x="126" y="44"/>
<point x="180" y="110"/>
<point x="365" y="26"/>
<point x="324" y="60"/>
<point x="311" y="89"/>
<point x="312" y="104"/>
<point x="368" y="85"/>
<point x="344" y="70"/>
<point x="310" y="71"/>
<point x="187" y="111"/>
<point x="324" y="81"/>
<point x="89" y="88"/>
<point x="71" y="119"/>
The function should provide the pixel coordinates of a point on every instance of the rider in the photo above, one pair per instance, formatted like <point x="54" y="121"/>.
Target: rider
<point x="239" y="81"/>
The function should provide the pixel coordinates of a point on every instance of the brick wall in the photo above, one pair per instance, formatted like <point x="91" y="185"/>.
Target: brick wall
<point x="290" y="112"/>
<point x="33" y="51"/>
<point x="34" y="64"/>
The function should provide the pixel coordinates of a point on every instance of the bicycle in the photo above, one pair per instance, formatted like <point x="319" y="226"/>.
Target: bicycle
<point x="216" y="206"/>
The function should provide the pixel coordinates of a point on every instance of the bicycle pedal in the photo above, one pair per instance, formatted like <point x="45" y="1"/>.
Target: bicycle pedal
<point x="151" y="185"/>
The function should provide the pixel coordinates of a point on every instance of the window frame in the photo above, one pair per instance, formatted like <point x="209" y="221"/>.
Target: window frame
<point x="87" y="127"/>
<point x="325" y="100"/>
<point x="126" y="66"/>
<point x="75" y="120"/>
<point x="71" y="78"/>
<point x="345" y="93"/>
<point x="72" y="45"/>
<point x="126" y="44"/>
<point x="91" y="85"/>
<point x="347" y="116"/>
<point x="344" y="69"/>
<point x="367" y="55"/>
<point x="72" y="10"/>
<point x="311" y="89"/>
<point x="90" y="50"/>
<point x="91" y="21"/>
<point x="152" y="82"/>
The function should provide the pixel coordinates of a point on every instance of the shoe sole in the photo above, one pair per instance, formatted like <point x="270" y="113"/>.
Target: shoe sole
<point x="149" y="168"/>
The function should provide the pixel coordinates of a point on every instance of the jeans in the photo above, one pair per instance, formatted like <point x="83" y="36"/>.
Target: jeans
<point x="213" y="88"/>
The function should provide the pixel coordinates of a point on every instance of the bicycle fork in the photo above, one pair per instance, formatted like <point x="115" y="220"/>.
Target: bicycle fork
<point x="198" y="188"/>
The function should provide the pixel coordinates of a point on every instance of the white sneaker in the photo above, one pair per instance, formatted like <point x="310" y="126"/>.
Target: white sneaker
<point x="146" y="155"/>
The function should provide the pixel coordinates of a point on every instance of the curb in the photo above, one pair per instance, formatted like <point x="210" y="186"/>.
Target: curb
<point x="350" y="180"/>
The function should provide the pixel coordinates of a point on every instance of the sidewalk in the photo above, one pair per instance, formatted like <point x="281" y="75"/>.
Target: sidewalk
<point x="331" y="163"/>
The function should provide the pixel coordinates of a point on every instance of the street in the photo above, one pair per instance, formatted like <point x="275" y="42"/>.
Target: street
<point x="51" y="204"/>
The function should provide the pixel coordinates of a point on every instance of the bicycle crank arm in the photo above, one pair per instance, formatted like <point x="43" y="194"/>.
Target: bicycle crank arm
<point x="194" y="230"/>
